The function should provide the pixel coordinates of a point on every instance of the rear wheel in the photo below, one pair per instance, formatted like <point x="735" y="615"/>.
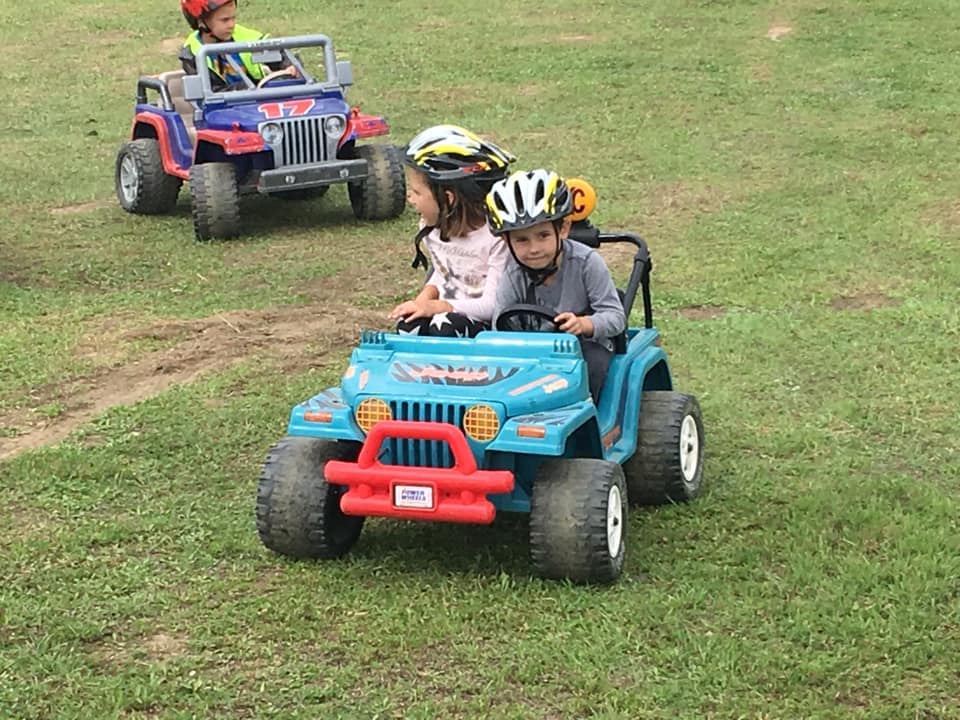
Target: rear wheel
<point x="216" y="204"/>
<point x="298" y="511"/>
<point x="578" y="518"/>
<point x="668" y="464"/>
<point x="142" y="185"/>
<point x="381" y="194"/>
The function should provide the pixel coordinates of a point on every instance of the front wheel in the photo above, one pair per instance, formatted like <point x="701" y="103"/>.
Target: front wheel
<point x="298" y="511"/>
<point x="216" y="204"/>
<point x="668" y="464"/>
<point x="578" y="520"/>
<point x="381" y="194"/>
<point x="141" y="184"/>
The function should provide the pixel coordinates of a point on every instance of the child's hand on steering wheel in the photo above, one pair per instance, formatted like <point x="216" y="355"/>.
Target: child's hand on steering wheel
<point x="574" y="324"/>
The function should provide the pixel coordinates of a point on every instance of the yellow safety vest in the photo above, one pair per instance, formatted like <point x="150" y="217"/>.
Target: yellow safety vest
<point x="240" y="34"/>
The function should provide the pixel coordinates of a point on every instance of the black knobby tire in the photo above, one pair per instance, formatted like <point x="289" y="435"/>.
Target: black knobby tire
<point x="578" y="520"/>
<point x="668" y="464"/>
<point x="298" y="511"/>
<point x="302" y="194"/>
<point x="140" y="182"/>
<point x="382" y="193"/>
<point x="216" y="204"/>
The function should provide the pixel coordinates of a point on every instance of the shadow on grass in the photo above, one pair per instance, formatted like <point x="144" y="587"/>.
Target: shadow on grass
<point x="261" y="216"/>
<point x="412" y="547"/>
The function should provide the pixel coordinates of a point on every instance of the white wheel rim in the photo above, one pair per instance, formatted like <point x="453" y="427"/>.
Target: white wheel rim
<point x="129" y="178"/>
<point x="614" y="521"/>
<point x="689" y="449"/>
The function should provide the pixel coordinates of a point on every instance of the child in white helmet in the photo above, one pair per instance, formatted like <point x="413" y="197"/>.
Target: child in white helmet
<point x="529" y="210"/>
<point x="448" y="173"/>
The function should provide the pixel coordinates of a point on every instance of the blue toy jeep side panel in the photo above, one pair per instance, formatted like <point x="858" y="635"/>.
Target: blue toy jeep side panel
<point x="556" y="425"/>
<point x="643" y="367"/>
<point x="324" y="416"/>
<point x="170" y="131"/>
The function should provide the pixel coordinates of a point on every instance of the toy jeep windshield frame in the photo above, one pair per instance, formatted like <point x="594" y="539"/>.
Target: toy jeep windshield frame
<point x="338" y="74"/>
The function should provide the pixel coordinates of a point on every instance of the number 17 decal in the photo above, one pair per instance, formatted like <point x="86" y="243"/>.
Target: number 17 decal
<point x="287" y="108"/>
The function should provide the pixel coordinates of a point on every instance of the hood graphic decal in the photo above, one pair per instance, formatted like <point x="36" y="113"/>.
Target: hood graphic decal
<point x="434" y="374"/>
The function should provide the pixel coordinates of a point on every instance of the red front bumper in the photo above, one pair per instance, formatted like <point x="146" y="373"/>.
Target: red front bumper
<point x="455" y="494"/>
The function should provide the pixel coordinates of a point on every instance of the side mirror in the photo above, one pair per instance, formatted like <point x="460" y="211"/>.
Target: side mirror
<point x="192" y="87"/>
<point x="344" y="73"/>
<point x="267" y="57"/>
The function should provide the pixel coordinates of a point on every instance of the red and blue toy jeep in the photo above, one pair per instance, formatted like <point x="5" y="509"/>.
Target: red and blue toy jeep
<point x="454" y="429"/>
<point x="290" y="136"/>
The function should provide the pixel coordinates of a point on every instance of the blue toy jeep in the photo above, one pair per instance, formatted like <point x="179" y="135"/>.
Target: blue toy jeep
<point x="291" y="137"/>
<point x="455" y="429"/>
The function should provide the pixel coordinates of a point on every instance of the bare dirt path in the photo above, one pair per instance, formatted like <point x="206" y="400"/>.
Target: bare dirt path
<point x="295" y="337"/>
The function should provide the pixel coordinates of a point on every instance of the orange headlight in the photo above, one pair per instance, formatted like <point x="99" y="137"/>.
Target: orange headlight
<point x="481" y="423"/>
<point x="370" y="411"/>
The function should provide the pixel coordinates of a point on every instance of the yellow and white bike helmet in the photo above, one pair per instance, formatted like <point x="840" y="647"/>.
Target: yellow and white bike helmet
<point x="447" y="153"/>
<point x="526" y="198"/>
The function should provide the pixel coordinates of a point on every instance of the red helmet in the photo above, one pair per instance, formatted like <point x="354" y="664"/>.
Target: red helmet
<point x="195" y="10"/>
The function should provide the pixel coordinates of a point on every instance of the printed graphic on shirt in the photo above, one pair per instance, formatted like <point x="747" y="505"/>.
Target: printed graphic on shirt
<point x="226" y="71"/>
<point x="470" y="284"/>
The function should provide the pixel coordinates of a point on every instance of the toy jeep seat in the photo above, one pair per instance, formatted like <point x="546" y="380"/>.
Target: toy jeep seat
<point x="173" y="79"/>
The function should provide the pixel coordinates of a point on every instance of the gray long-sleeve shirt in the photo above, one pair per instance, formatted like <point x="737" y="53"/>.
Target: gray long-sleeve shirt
<point x="582" y="285"/>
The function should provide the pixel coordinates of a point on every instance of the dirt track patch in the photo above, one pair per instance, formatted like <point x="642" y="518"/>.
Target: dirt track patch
<point x="81" y="207"/>
<point x="295" y="337"/>
<point x="675" y="205"/>
<point x="162" y="646"/>
<point x="779" y="31"/>
<point x="946" y="214"/>
<point x="171" y="45"/>
<point x="863" y="301"/>
<point x="701" y="312"/>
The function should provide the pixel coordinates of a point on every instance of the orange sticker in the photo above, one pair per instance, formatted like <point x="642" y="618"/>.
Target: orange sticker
<point x="584" y="198"/>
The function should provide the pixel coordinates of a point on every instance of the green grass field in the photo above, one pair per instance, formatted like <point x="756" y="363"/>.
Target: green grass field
<point x="793" y="167"/>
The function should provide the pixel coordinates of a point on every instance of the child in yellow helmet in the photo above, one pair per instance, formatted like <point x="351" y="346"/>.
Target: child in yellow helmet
<point x="449" y="171"/>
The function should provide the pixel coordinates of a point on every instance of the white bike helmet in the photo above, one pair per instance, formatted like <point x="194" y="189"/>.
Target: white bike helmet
<point x="527" y="198"/>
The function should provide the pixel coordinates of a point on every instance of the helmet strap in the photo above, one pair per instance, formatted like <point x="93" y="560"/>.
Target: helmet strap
<point x="419" y="258"/>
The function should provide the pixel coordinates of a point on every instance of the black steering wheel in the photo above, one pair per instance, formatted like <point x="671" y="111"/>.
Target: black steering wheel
<point x="527" y="318"/>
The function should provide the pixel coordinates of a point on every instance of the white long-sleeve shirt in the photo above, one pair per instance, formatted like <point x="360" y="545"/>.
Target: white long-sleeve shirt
<point x="467" y="269"/>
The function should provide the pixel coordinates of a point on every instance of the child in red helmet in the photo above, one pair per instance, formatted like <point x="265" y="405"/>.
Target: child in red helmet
<point x="215" y="21"/>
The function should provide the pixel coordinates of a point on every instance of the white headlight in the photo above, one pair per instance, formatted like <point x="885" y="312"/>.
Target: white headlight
<point x="334" y="125"/>
<point x="272" y="133"/>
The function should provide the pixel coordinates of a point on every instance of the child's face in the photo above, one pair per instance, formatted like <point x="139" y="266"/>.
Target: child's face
<point x="421" y="197"/>
<point x="536" y="245"/>
<point x="221" y="21"/>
